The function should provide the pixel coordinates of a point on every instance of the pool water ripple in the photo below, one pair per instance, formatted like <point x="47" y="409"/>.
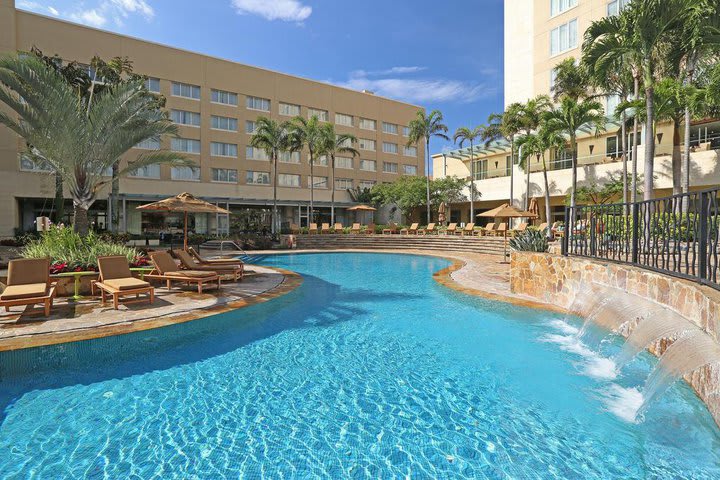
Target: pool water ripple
<point x="368" y="370"/>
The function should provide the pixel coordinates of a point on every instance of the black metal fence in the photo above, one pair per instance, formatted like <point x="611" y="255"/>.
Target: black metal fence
<point x="677" y="235"/>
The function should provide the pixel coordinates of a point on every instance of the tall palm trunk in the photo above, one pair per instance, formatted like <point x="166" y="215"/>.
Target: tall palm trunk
<point x="623" y="130"/>
<point x="636" y="137"/>
<point x="59" y="201"/>
<point x="81" y="223"/>
<point x="275" y="207"/>
<point x="649" y="140"/>
<point x="427" y="177"/>
<point x="512" y="170"/>
<point x="312" y="188"/>
<point x="547" y="196"/>
<point x="686" y="140"/>
<point x="332" y="190"/>
<point x="472" y="182"/>
<point x="573" y="146"/>
<point x="676" y="159"/>
<point x="115" y="198"/>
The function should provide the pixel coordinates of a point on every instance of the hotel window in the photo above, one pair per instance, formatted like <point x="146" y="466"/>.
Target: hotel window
<point x="224" y="123"/>
<point x="321" y="114"/>
<point x="559" y="6"/>
<point x="346" y="143"/>
<point x="27" y="164"/>
<point x="186" y="145"/>
<point x="368" y="165"/>
<point x="318" y="182"/>
<point x="612" y="145"/>
<point x="185" y="173"/>
<point x="390" y="128"/>
<point x="367" y="124"/>
<point x="224" y="175"/>
<point x="289" y="157"/>
<point x="344" y="162"/>
<point x="390" y="167"/>
<point x="183" y="117"/>
<point x="226" y="98"/>
<point x="343" y="184"/>
<point x="252" y="153"/>
<point x="185" y="90"/>
<point x="250" y="127"/>
<point x="409" y="170"/>
<point x="366" y="144"/>
<point x="342" y="119"/>
<point x="390" y="148"/>
<point x="563" y="37"/>
<point x="257" y="103"/>
<point x="321" y="161"/>
<point x="149" y="144"/>
<point x="406" y="131"/>
<point x="367" y="184"/>
<point x="153" y="84"/>
<point x="288" y="180"/>
<point x="611" y="103"/>
<point x="148" y="171"/>
<point x="410" y="151"/>
<point x="220" y="149"/>
<point x="614" y="7"/>
<point x="257" y="178"/>
<point x="290" y="110"/>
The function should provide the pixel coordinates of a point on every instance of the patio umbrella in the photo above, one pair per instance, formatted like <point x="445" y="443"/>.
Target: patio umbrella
<point x="534" y="208"/>
<point x="362" y="208"/>
<point x="185" y="203"/>
<point x="506" y="211"/>
<point x="442" y="210"/>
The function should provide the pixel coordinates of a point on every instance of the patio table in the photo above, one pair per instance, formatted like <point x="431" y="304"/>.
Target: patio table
<point x="142" y="271"/>
<point x="76" y="276"/>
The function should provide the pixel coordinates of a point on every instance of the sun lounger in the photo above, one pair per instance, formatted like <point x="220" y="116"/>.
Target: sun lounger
<point x="28" y="284"/>
<point x="355" y="228"/>
<point x="370" y="229"/>
<point x="542" y="226"/>
<point x="413" y="230"/>
<point x="294" y="229"/>
<point x="429" y="230"/>
<point x="338" y="228"/>
<point x="519" y="229"/>
<point x="313" y="229"/>
<point x="325" y="228"/>
<point x="166" y="269"/>
<point x="214" y="261"/>
<point x="186" y="261"/>
<point x="488" y="229"/>
<point x="501" y="230"/>
<point x="468" y="230"/>
<point x="391" y="228"/>
<point x="117" y="280"/>
<point x="450" y="230"/>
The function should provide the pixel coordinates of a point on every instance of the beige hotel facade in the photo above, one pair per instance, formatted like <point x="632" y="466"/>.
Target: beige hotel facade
<point x="214" y="102"/>
<point x="539" y="34"/>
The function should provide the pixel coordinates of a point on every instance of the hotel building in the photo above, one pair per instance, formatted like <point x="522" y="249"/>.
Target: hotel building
<point x="215" y="103"/>
<point x="539" y="34"/>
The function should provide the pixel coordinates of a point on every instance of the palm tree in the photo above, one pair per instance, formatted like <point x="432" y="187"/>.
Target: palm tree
<point x="272" y="138"/>
<point x="569" y="117"/>
<point x="425" y="127"/>
<point x="571" y="80"/>
<point x="79" y="144"/>
<point x="506" y="126"/>
<point x="462" y="135"/>
<point x="531" y="116"/>
<point x="336" y="144"/>
<point x="308" y="134"/>
<point x="536" y="145"/>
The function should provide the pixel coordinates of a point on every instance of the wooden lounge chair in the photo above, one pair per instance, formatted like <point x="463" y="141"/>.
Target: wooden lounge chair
<point x="117" y="280"/>
<point x="488" y="229"/>
<point x="166" y="269"/>
<point x="370" y="229"/>
<point x="501" y="230"/>
<point x="28" y="284"/>
<point x="468" y="230"/>
<point x="294" y="229"/>
<point x="519" y="229"/>
<point x="214" y="261"/>
<point x="325" y="228"/>
<point x="413" y="230"/>
<point x="338" y="228"/>
<point x="391" y="229"/>
<point x="355" y="228"/>
<point x="451" y="229"/>
<point x="187" y="262"/>
<point x="429" y="230"/>
<point x="543" y="226"/>
<point x="313" y="229"/>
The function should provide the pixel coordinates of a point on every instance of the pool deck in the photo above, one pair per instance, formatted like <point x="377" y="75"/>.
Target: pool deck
<point x="470" y="273"/>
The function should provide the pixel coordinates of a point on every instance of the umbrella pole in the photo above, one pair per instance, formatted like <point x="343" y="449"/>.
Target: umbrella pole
<point x="185" y="240"/>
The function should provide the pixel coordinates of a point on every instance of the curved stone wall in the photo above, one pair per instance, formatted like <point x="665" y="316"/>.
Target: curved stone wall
<point x="554" y="279"/>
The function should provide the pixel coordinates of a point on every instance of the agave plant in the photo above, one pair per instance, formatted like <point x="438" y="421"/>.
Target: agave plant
<point x="530" y="241"/>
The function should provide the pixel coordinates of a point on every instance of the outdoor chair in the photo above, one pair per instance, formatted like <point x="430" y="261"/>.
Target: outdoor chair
<point x="519" y="229"/>
<point x="325" y="228"/>
<point x="166" y="269"/>
<point x="391" y="228"/>
<point x="28" y="283"/>
<point x="429" y="230"/>
<point x="468" y="230"/>
<point x="543" y="226"/>
<point x="294" y="229"/>
<point x="370" y="229"/>
<point x="501" y="230"/>
<point x="451" y="229"/>
<point x="186" y="261"/>
<point x="489" y="229"/>
<point x="116" y="280"/>
<point x="313" y="229"/>
<point x="213" y="261"/>
<point x="355" y="228"/>
<point x="412" y="230"/>
<point x="338" y="228"/>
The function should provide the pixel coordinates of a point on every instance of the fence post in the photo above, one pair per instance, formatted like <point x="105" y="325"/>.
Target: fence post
<point x="593" y="234"/>
<point x="635" y="231"/>
<point x="565" y="237"/>
<point x="702" y="243"/>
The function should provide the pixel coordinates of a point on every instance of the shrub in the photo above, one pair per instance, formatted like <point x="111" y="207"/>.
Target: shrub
<point x="530" y="241"/>
<point x="69" y="251"/>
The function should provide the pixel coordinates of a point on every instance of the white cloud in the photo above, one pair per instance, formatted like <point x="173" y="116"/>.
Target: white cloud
<point x="285" y="10"/>
<point x="388" y="83"/>
<point x="97" y="13"/>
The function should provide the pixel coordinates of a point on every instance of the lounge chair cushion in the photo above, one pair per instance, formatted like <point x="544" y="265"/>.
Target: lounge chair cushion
<point x="191" y="274"/>
<point x="28" y="290"/>
<point x="26" y="271"/>
<point x="126" y="283"/>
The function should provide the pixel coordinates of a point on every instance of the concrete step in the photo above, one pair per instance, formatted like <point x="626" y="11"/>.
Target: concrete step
<point x="490" y="245"/>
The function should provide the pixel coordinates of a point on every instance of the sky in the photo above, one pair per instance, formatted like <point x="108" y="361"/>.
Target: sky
<point x="445" y="55"/>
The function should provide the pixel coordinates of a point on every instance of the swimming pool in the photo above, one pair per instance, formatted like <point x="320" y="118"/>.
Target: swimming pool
<point x="368" y="370"/>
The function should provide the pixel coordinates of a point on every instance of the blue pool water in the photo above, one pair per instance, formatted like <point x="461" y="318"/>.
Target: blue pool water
<point x="368" y="370"/>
